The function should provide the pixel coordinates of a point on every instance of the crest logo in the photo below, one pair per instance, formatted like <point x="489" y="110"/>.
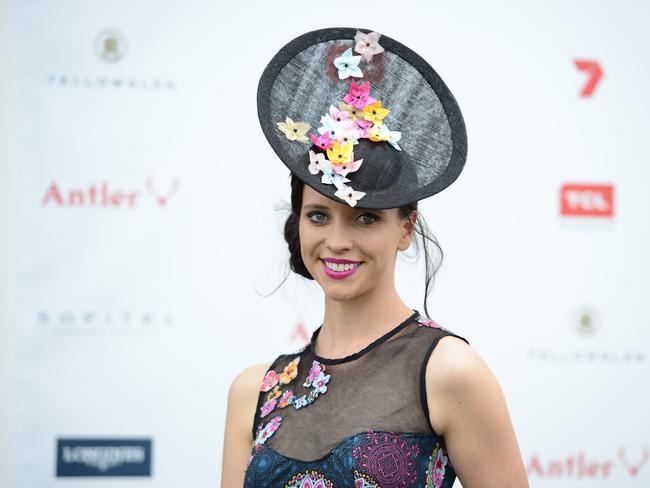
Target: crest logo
<point x="587" y="322"/>
<point x="111" y="45"/>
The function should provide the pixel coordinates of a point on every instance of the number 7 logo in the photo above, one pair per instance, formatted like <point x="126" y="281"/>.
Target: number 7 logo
<point x="595" y="72"/>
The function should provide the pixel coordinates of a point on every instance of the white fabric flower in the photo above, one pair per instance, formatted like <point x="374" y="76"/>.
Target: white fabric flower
<point x="349" y="194"/>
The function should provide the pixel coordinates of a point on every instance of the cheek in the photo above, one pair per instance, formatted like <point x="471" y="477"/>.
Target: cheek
<point x="382" y="247"/>
<point x="307" y="238"/>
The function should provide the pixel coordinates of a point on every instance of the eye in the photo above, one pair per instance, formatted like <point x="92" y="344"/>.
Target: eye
<point x="373" y="218"/>
<point x="312" y="214"/>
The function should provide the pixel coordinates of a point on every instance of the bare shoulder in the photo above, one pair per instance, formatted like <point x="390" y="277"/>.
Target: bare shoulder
<point x="452" y="364"/>
<point x="247" y="383"/>
<point x="467" y="406"/>
<point x="238" y="434"/>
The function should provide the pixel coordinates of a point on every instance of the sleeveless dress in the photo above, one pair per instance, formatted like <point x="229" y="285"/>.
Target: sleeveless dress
<point x="360" y="421"/>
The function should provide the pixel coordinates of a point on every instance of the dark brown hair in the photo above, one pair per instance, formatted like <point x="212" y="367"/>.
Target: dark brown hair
<point x="292" y="237"/>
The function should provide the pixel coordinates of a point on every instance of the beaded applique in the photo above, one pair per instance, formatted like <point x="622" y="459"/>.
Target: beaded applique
<point x="424" y="322"/>
<point x="316" y="379"/>
<point x="309" y="479"/>
<point x="362" y="480"/>
<point x="436" y="468"/>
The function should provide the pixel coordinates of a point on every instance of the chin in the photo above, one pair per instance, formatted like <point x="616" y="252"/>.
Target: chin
<point x="340" y="292"/>
<point x="339" y="295"/>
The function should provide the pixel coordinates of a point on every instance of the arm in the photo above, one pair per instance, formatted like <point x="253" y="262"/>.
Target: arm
<point x="238" y="436"/>
<point x="468" y="407"/>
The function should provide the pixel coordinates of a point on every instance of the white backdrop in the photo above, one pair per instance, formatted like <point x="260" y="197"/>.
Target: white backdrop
<point x="142" y="251"/>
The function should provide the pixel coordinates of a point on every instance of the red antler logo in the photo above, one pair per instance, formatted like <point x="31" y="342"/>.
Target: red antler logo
<point x="162" y="199"/>
<point x="633" y="469"/>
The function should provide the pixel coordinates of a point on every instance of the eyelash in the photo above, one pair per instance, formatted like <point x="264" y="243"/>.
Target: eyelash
<point x="310" y="214"/>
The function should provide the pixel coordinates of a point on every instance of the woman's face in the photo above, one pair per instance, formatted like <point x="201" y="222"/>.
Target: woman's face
<point x="366" y="240"/>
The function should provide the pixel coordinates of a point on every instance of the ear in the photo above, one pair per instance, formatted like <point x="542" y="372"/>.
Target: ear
<point x="408" y="229"/>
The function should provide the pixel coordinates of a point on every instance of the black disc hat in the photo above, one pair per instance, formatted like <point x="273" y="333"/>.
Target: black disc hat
<point x="361" y="118"/>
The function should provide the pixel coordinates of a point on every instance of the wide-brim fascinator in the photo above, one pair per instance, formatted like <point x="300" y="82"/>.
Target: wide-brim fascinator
<point x="361" y="118"/>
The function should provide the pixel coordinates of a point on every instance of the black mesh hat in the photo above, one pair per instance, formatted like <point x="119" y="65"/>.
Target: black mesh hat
<point x="361" y="118"/>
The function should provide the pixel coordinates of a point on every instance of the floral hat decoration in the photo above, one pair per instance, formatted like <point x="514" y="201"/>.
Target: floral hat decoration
<point x="361" y="118"/>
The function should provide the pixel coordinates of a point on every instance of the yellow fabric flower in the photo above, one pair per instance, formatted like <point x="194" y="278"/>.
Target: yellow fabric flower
<point x="354" y="113"/>
<point x="290" y="371"/>
<point x="295" y="131"/>
<point x="340" y="153"/>
<point x="377" y="135"/>
<point x="374" y="113"/>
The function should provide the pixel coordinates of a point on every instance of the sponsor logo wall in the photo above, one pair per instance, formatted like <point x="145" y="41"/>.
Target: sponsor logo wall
<point x="150" y="213"/>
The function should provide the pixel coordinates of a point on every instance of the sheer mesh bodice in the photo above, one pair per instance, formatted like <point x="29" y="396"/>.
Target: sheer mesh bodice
<point x="358" y="421"/>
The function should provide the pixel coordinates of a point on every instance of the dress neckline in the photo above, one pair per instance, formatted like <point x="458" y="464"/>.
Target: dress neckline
<point x="369" y="347"/>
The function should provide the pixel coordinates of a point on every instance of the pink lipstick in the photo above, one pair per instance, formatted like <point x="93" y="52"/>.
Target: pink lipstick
<point x="338" y="275"/>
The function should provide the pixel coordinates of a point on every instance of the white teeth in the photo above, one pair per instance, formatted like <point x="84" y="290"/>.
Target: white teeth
<point x="341" y="267"/>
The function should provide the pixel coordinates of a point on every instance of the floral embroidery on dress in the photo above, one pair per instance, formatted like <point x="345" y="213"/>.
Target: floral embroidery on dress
<point x="309" y="479"/>
<point x="268" y="407"/>
<point x="287" y="397"/>
<point x="388" y="458"/>
<point x="266" y="431"/>
<point x="316" y="379"/>
<point x="436" y="468"/>
<point x="270" y="380"/>
<point x="424" y="322"/>
<point x="290" y="371"/>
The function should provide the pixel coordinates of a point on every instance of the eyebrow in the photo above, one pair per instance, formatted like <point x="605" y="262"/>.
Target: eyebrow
<point x="318" y="206"/>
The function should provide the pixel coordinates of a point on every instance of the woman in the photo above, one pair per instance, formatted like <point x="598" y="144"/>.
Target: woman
<point x="381" y="396"/>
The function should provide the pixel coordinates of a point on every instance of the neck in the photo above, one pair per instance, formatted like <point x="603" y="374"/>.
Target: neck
<point x="350" y="325"/>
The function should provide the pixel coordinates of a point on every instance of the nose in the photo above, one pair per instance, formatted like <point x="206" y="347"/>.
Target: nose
<point x="338" y="238"/>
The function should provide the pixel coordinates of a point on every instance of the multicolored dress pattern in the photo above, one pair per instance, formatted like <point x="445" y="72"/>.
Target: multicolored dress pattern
<point x="369" y="459"/>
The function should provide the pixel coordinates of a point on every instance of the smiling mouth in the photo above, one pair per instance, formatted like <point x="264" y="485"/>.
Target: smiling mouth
<point x="341" y="267"/>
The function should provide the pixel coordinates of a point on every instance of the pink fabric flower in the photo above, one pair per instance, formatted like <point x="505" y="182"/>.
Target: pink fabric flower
<point x="338" y="115"/>
<point x="323" y="141"/>
<point x="364" y="127"/>
<point x="351" y="167"/>
<point x="359" y="96"/>
<point x="367" y="44"/>
<point x="349" y="132"/>
<point x="270" y="380"/>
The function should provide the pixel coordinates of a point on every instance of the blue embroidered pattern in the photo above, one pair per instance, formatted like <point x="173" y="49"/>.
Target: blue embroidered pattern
<point x="368" y="459"/>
